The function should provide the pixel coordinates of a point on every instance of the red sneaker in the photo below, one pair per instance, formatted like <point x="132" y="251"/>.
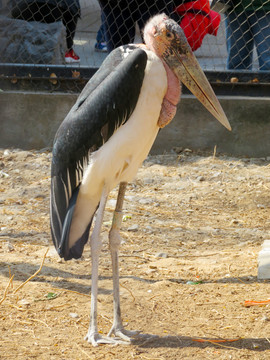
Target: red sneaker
<point x="71" y="57"/>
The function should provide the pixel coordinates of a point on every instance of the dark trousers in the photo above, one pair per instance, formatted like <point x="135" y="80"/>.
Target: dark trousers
<point x="47" y="13"/>
<point x="121" y="17"/>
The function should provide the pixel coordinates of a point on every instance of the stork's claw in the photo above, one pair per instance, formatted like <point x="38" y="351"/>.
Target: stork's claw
<point x="123" y="334"/>
<point x="95" y="339"/>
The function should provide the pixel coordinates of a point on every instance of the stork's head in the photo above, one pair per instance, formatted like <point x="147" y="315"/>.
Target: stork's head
<point x="162" y="33"/>
<point x="166" y="38"/>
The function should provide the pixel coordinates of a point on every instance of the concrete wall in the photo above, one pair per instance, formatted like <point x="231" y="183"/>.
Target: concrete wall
<point x="30" y="120"/>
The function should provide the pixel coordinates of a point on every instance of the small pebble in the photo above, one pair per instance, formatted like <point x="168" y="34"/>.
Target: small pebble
<point x="23" y="302"/>
<point x="161" y="255"/>
<point x="145" y="201"/>
<point x="265" y="318"/>
<point x="6" y="152"/>
<point x="133" y="228"/>
<point x="9" y="247"/>
<point x="73" y="315"/>
<point x="3" y="174"/>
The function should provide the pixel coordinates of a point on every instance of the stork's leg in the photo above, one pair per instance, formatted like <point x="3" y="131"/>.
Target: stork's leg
<point x="114" y="243"/>
<point x="93" y="336"/>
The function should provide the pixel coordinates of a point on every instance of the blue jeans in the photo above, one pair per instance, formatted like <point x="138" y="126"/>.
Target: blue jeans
<point x="101" y="32"/>
<point x="243" y="31"/>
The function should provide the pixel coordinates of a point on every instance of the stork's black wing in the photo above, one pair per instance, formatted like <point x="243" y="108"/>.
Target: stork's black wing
<point x="106" y="103"/>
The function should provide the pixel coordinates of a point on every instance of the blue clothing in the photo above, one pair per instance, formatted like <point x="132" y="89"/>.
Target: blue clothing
<point x="243" y="31"/>
<point x="102" y="30"/>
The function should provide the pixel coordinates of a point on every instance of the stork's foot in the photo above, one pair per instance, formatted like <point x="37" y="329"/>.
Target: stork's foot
<point x="123" y="334"/>
<point x="95" y="339"/>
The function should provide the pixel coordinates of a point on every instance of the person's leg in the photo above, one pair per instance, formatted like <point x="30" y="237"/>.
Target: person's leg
<point x="102" y="28"/>
<point x="119" y="25"/>
<point x="100" y="44"/>
<point x="239" y="41"/>
<point x="99" y="37"/>
<point x="259" y="22"/>
<point x="70" y="22"/>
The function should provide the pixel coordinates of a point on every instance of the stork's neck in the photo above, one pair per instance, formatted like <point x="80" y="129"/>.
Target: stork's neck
<point x="174" y="86"/>
<point x="173" y="93"/>
<point x="171" y="98"/>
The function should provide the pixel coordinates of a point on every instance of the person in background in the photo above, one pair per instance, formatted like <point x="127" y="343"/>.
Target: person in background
<point x="48" y="11"/>
<point x="121" y="18"/>
<point x="248" y="24"/>
<point x="100" y="44"/>
<point x="197" y="20"/>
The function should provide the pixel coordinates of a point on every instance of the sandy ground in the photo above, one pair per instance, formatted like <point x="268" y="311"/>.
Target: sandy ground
<point x="193" y="227"/>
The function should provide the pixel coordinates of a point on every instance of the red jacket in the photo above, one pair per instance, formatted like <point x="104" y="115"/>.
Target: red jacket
<point x="197" y="21"/>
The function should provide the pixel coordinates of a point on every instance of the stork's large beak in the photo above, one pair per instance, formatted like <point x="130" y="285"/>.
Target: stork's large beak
<point x="184" y="64"/>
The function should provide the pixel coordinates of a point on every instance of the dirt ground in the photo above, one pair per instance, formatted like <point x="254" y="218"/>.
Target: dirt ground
<point x="193" y="226"/>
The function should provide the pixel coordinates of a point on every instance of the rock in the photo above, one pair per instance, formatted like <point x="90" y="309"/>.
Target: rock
<point x="133" y="228"/>
<point x="145" y="201"/>
<point x="24" y="302"/>
<point x="8" y="246"/>
<point x="265" y="318"/>
<point x="3" y="174"/>
<point x="6" y="152"/>
<point x="73" y="315"/>
<point x="31" y="42"/>
<point x="148" y="181"/>
<point x="161" y="255"/>
<point x="149" y="229"/>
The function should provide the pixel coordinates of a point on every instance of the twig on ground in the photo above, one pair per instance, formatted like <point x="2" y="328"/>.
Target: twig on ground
<point x="128" y="291"/>
<point x="254" y="303"/>
<point x="34" y="275"/>
<point x="216" y="341"/>
<point x="6" y="289"/>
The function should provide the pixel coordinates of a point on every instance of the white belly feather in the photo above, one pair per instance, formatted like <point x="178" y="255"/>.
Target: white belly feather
<point x="120" y="157"/>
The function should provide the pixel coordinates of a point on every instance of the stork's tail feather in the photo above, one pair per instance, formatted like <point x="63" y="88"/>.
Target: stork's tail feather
<point x="62" y="247"/>
<point x="75" y="252"/>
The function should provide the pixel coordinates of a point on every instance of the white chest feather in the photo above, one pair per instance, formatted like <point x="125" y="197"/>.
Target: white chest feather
<point x="119" y="158"/>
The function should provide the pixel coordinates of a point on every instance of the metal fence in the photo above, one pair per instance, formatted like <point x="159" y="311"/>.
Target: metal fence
<point x="231" y="39"/>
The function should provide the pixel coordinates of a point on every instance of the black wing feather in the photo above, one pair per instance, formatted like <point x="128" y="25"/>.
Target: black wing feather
<point x="101" y="108"/>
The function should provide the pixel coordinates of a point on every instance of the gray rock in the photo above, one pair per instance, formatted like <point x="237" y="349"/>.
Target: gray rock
<point x="161" y="255"/>
<point x="133" y="228"/>
<point x="31" y="42"/>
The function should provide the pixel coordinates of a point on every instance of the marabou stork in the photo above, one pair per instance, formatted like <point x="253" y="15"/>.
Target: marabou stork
<point x="107" y="135"/>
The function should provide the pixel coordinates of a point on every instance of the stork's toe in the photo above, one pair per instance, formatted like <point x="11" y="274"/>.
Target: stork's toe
<point x="123" y="334"/>
<point x="95" y="339"/>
